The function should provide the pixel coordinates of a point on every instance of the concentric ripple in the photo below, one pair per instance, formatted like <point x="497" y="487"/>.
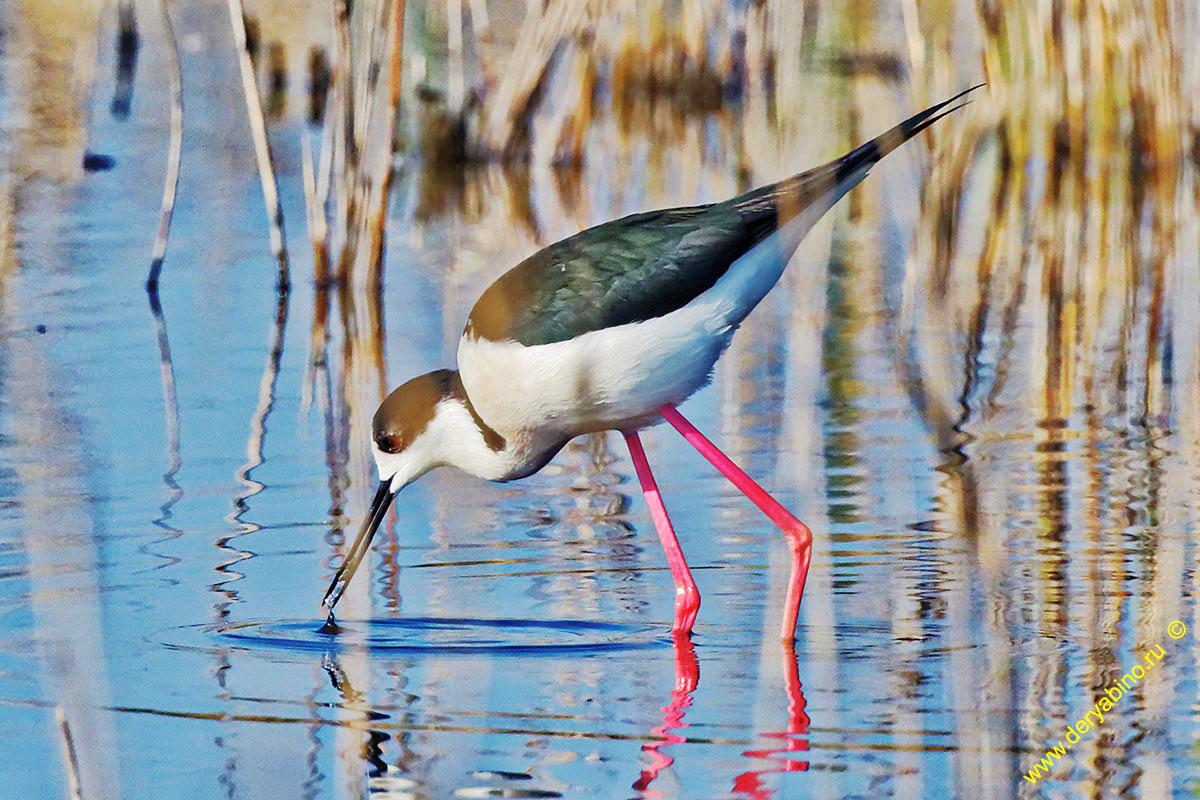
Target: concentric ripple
<point x="413" y="635"/>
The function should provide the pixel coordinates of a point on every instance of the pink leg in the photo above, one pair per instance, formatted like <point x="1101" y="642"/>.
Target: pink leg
<point x="687" y="597"/>
<point x="798" y="535"/>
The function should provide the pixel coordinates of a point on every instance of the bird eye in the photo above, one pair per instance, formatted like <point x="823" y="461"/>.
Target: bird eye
<point x="388" y="442"/>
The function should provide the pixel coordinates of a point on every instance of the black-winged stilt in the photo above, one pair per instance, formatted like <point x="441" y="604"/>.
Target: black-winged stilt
<point x="611" y="329"/>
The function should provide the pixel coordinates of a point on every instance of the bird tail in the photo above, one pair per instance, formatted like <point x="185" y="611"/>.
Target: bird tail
<point x="813" y="192"/>
<point x="780" y="215"/>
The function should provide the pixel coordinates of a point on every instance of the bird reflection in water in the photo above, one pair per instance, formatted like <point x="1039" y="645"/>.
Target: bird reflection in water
<point x="687" y="676"/>
<point x="372" y="750"/>
<point x="749" y="783"/>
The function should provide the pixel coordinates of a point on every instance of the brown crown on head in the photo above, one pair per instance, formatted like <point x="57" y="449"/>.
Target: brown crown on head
<point x="408" y="410"/>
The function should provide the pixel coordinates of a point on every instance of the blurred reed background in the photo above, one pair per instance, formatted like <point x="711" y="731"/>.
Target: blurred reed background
<point x="1030" y="273"/>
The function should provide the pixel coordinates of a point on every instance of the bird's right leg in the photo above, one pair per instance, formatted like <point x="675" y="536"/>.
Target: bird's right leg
<point x="798" y="535"/>
<point x="687" y="596"/>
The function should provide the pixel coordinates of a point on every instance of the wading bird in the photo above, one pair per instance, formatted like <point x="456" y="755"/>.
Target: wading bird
<point x="611" y="329"/>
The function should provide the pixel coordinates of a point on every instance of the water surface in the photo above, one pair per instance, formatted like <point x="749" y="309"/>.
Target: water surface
<point x="1001" y="476"/>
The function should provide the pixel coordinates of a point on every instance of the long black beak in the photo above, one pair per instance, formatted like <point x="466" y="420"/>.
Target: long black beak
<point x="379" y="507"/>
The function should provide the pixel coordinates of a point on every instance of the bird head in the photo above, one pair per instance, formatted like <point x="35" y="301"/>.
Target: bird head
<point x="406" y="430"/>
<point x="407" y="437"/>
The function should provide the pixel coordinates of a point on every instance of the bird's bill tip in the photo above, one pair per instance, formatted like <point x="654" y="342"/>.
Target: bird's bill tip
<point x="362" y="542"/>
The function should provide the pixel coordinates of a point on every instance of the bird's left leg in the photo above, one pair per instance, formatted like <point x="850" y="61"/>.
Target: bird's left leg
<point x="798" y="535"/>
<point x="687" y="596"/>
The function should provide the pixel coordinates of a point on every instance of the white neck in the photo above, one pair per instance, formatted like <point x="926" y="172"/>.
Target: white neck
<point x="452" y="438"/>
<point x="461" y="443"/>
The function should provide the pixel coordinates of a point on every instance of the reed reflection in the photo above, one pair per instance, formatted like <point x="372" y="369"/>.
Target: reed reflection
<point x="171" y="418"/>
<point x="127" y="44"/>
<point x="1054" y="315"/>
<point x="255" y="457"/>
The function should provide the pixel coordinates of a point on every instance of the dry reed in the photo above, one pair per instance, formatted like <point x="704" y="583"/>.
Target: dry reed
<point x="262" y="148"/>
<point x="174" y="152"/>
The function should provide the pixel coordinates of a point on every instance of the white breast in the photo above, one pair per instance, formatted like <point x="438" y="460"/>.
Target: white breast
<point x="611" y="378"/>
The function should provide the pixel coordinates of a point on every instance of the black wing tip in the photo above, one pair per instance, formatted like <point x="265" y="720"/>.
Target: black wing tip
<point x="920" y="122"/>
<point x="865" y="155"/>
<point x="885" y="143"/>
<point x="763" y="205"/>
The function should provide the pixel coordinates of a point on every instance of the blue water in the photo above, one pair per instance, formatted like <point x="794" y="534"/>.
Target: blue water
<point x="166" y="532"/>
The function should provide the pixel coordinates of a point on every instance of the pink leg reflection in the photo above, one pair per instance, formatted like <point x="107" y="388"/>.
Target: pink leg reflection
<point x="798" y="535"/>
<point x="687" y="676"/>
<point x="750" y="782"/>
<point x="687" y="597"/>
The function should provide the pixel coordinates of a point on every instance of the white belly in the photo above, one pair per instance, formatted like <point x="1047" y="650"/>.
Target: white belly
<point x="613" y="378"/>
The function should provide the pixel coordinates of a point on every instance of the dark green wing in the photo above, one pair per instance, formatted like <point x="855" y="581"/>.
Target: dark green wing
<point x="648" y="265"/>
<point x="629" y="270"/>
